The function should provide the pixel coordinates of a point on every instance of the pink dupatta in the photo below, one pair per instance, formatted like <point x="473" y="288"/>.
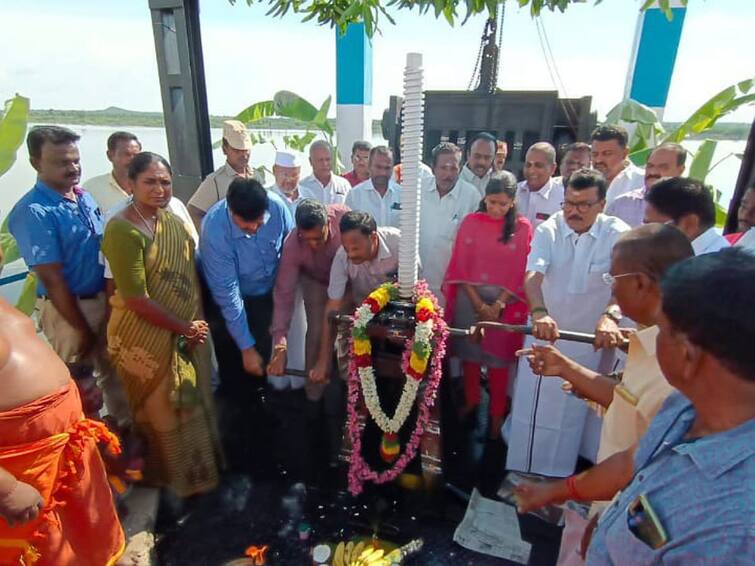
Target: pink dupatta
<point x="479" y="257"/>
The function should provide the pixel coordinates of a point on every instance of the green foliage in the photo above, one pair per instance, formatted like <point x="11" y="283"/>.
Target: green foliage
<point x="649" y="132"/>
<point x="289" y="105"/>
<point x="341" y="13"/>
<point x="725" y="102"/>
<point x="12" y="130"/>
<point x="701" y="162"/>
<point x="27" y="301"/>
<point x="664" y="5"/>
<point x="13" y="123"/>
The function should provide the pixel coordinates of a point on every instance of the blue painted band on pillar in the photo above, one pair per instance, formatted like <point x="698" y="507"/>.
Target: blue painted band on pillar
<point x="353" y="66"/>
<point x="656" y="55"/>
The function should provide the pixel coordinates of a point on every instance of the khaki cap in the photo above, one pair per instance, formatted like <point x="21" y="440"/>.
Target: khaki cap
<point x="234" y="132"/>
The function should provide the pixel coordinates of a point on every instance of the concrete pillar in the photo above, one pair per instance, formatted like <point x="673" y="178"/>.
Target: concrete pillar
<point x="653" y="56"/>
<point x="353" y="89"/>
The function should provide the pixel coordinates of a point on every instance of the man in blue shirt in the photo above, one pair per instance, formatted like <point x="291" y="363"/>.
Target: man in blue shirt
<point x="692" y="495"/>
<point x="58" y="227"/>
<point x="240" y="249"/>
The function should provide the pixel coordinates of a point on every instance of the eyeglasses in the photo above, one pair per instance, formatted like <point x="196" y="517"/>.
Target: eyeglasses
<point x="580" y="206"/>
<point x="360" y="158"/>
<point x="609" y="279"/>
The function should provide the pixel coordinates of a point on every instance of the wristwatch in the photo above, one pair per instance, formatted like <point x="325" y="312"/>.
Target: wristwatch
<point x="614" y="312"/>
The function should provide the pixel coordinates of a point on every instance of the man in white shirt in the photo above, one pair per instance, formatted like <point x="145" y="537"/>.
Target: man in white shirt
<point x="236" y="146"/>
<point x="322" y="184"/>
<point x="368" y="257"/>
<point x="378" y="195"/>
<point x="112" y="188"/>
<point x="666" y="160"/>
<point x="609" y="156"/>
<point x="446" y="200"/>
<point x="571" y="251"/>
<point x="575" y="156"/>
<point x="480" y="158"/>
<point x="287" y="170"/>
<point x="687" y="204"/>
<point x="539" y="195"/>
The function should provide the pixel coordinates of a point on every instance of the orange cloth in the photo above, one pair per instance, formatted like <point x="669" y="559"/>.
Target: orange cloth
<point x="50" y="445"/>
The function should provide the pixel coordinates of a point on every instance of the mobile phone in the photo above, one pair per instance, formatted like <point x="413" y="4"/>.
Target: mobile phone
<point x="643" y="522"/>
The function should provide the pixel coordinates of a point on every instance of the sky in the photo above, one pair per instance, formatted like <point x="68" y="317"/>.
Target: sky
<point x="91" y="54"/>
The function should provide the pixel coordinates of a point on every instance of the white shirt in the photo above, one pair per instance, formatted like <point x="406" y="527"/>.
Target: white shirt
<point x="439" y="221"/>
<point x="291" y="204"/>
<point x="385" y="209"/>
<point x="537" y="206"/>
<point x="175" y="206"/>
<point x="333" y="193"/>
<point x="367" y="276"/>
<point x="628" y="179"/>
<point x="573" y="264"/>
<point x="480" y="183"/>
<point x="708" y="242"/>
<point x="106" y="191"/>
<point x="747" y="241"/>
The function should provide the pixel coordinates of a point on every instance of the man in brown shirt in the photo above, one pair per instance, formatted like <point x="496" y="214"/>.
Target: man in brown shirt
<point x="306" y="259"/>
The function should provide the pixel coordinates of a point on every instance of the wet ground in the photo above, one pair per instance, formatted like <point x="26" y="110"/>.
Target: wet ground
<point x="262" y="508"/>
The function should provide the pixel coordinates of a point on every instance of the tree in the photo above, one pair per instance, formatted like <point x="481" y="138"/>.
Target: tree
<point x="341" y="13"/>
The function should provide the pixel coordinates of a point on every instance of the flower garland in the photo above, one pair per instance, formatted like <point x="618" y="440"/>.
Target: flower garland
<point x="426" y="348"/>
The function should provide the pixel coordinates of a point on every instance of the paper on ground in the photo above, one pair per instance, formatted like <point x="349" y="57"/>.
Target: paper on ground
<point x="491" y="527"/>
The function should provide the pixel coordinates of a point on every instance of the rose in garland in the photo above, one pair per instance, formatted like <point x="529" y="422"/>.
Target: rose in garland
<point x="425" y="350"/>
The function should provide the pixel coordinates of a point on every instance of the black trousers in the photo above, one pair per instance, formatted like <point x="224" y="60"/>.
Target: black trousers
<point x="246" y="426"/>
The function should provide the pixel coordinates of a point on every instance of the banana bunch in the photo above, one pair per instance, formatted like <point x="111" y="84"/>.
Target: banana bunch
<point x="359" y="554"/>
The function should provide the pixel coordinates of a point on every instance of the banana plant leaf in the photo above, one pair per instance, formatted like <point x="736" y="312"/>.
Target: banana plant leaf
<point x="256" y="111"/>
<point x="9" y="251"/>
<point x="647" y="126"/>
<point x="291" y="105"/>
<point x="297" y="142"/>
<point x="28" y="300"/>
<point x="640" y="158"/>
<point x="725" y="102"/>
<point x="701" y="163"/>
<point x="12" y="130"/>
<point x="321" y="119"/>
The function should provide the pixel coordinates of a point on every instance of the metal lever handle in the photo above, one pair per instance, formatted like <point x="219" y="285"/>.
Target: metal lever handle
<point x="567" y="335"/>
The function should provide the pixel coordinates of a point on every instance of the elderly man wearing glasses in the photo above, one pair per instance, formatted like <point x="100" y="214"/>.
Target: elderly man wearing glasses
<point x="571" y="251"/>
<point x="639" y="261"/>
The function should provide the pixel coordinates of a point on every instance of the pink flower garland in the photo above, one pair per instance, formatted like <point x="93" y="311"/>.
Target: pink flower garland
<point x="359" y="470"/>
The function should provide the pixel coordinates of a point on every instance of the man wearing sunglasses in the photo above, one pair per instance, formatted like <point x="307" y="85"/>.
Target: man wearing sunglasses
<point x="571" y="251"/>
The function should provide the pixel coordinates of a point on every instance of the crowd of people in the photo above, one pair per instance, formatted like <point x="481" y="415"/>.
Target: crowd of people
<point x="191" y="317"/>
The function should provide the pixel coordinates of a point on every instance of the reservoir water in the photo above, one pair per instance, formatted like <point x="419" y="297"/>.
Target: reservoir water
<point x="21" y="176"/>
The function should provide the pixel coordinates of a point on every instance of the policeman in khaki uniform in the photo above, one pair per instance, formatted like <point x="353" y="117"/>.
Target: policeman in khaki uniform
<point x="236" y="147"/>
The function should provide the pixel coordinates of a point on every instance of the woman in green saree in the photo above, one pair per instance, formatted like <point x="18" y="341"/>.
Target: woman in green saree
<point x="156" y="338"/>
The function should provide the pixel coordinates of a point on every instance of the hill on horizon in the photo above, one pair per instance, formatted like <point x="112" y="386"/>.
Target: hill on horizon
<point x="117" y="116"/>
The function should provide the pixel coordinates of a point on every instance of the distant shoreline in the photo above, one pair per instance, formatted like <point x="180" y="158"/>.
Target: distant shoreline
<point x="124" y="118"/>
<point x="120" y="117"/>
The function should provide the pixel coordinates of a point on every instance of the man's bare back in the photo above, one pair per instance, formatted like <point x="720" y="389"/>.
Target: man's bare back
<point x="29" y="368"/>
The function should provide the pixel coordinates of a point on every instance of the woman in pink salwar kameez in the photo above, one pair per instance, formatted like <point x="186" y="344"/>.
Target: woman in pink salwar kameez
<point x="485" y="282"/>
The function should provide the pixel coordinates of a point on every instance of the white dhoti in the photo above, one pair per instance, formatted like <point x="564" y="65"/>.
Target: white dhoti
<point x="295" y="353"/>
<point x="549" y="427"/>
